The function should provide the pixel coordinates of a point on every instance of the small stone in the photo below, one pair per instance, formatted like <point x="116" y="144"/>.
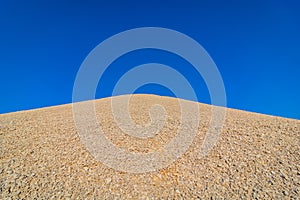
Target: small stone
<point x="282" y="175"/>
<point x="108" y="180"/>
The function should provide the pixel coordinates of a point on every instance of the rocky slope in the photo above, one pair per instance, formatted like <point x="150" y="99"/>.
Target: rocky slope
<point x="42" y="156"/>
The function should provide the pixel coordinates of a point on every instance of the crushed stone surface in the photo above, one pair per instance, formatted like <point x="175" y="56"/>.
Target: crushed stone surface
<point x="41" y="156"/>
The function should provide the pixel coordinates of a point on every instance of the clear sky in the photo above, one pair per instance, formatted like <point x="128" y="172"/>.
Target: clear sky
<point x="255" y="44"/>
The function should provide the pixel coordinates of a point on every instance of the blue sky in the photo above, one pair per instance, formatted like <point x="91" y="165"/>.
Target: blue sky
<point x="255" y="44"/>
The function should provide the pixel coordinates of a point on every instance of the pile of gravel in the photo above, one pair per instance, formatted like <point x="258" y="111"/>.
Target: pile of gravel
<point x="42" y="156"/>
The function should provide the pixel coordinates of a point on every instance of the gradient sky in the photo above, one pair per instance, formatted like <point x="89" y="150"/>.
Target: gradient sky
<point x="255" y="44"/>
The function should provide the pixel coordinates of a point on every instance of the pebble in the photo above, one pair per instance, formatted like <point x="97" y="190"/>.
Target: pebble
<point x="107" y="180"/>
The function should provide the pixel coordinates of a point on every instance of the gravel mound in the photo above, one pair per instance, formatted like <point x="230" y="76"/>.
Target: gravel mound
<point x="42" y="156"/>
